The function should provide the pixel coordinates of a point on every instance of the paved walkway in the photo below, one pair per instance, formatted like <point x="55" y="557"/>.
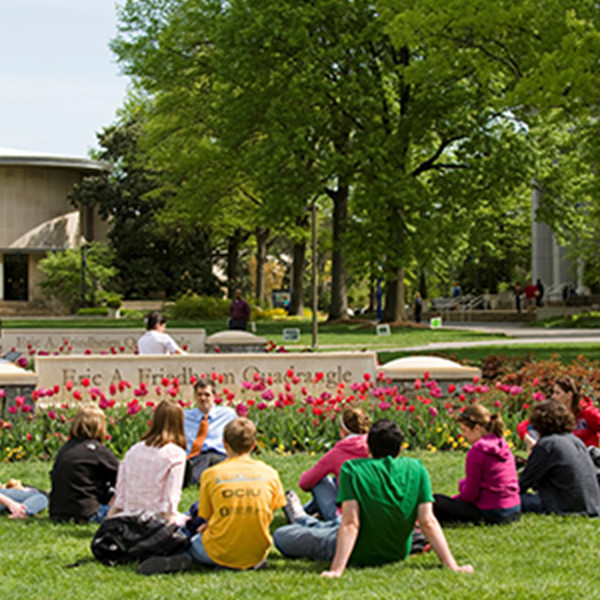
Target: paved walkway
<point x="516" y="334"/>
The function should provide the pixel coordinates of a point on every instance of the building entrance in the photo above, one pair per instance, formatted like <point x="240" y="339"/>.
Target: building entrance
<point x="16" y="280"/>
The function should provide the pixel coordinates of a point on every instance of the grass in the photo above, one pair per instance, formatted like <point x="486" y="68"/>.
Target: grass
<point x="540" y="557"/>
<point x="566" y="353"/>
<point x="339" y="335"/>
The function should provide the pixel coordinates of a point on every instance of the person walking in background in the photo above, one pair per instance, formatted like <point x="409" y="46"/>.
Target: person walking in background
<point x="155" y="340"/>
<point x="518" y="291"/>
<point x="418" y="307"/>
<point x="531" y="293"/>
<point x="540" y="288"/>
<point x="239" y="312"/>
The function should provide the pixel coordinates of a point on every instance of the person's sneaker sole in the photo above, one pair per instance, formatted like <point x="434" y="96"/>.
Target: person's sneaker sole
<point x="165" y="564"/>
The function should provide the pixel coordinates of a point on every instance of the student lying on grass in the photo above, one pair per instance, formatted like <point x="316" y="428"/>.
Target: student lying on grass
<point x="381" y="497"/>
<point x="21" y="501"/>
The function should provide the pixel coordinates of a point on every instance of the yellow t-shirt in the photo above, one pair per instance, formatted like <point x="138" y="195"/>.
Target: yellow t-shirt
<point x="237" y="498"/>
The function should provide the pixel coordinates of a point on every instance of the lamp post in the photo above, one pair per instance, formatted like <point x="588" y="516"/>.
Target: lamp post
<point x="83" y="267"/>
<point x="315" y="294"/>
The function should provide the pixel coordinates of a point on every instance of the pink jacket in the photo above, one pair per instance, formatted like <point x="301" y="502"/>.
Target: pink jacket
<point x="491" y="480"/>
<point x="353" y="446"/>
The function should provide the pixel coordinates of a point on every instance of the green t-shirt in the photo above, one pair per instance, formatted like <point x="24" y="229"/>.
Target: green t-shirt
<point x="388" y="491"/>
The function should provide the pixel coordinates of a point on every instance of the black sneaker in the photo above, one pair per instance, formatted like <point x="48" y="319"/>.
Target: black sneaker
<point x="293" y="509"/>
<point x="165" y="564"/>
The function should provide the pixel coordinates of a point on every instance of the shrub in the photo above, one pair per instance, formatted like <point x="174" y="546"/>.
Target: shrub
<point x="93" y="311"/>
<point x="62" y="272"/>
<point x="192" y="306"/>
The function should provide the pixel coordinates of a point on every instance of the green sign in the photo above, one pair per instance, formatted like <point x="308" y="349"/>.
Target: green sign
<point x="435" y="322"/>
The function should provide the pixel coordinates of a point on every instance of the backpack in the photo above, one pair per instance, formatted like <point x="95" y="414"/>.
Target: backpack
<point x="137" y="536"/>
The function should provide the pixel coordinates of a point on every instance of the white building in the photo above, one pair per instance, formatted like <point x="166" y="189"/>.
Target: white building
<point x="36" y="217"/>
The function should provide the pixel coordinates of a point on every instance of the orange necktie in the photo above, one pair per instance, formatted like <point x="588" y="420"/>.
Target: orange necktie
<point x="200" y="437"/>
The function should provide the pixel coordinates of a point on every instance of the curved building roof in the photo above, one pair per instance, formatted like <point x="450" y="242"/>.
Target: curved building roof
<point x="23" y="158"/>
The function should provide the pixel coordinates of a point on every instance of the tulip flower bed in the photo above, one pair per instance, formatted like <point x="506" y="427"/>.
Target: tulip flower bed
<point x="294" y="419"/>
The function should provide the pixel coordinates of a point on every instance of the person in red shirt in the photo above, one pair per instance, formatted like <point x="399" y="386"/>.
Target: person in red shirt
<point x="531" y="293"/>
<point x="587" y="415"/>
<point x="239" y="311"/>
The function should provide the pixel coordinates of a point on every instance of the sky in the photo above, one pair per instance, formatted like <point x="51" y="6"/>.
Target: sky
<point x="59" y="81"/>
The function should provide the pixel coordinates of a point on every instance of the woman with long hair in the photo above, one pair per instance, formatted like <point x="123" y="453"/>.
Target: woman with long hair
<point x="587" y="415"/>
<point x="321" y="479"/>
<point x="151" y="475"/>
<point x="489" y="491"/>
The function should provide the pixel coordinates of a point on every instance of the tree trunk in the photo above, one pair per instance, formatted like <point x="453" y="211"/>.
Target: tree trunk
<point x="298" y="268"/>
<point x="338" y="308"/>
<point x="233" y="249"/>
<point x="394" y="299"/>
<point x="262" y="236"/>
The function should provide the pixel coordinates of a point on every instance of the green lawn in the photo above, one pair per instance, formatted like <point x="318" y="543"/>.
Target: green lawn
<point x="540" y="557"/>
<point x="342" y="335"/>
<point x="566" y="353"/>
<point x="356" y="336"/>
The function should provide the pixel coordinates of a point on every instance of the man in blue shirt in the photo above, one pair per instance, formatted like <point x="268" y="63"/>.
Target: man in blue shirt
<point x="204" y="428"/>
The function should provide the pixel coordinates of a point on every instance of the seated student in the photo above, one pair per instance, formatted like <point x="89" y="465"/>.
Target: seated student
<point x="155" y="340"/>
<point x="354" y="426"/>
<point x="490" y="490"/>
<point x="237" y="499"/>
<point x="150" y="476"/>
<point x="559" y="466"/>
<point x="21" y="501"/>
<point x="381" y="498"/>
<point x="587" y="415"/>
<point x="84" y="471"/>
<point x="204" y="427"/>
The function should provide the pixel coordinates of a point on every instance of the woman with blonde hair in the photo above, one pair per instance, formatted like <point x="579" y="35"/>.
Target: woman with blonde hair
<point x="150" y="476"/>
<point x="321" y="479"/>
<point x="489" y="491"/>
<point x="84" y="471"/>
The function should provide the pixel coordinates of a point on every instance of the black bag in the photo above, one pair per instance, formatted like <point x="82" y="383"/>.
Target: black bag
<point x="128" y="538"/>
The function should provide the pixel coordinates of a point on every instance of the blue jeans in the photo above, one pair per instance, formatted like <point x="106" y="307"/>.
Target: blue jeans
<point x="532" y="503"/>
<point x="324" y="497"/>
<point x="198" y="553"/>
<point x="33" y="500"/>
<point x="99" y="516"/>
<point x="308" y="538"/>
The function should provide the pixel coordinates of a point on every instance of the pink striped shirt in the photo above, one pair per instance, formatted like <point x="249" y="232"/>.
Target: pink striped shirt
<point x="150" y="478"/>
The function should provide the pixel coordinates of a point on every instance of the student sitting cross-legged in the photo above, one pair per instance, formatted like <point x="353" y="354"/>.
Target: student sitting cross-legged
<point x="381" y="498"/>
<point x="237" y="499"/>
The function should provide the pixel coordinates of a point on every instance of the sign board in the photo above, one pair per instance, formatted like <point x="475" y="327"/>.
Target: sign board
<point x="102" y="371"/>
<point x="383" y="329"/>
<point x="77" y="341"/>
<point x="435" y="322"/>
<point x="291" y="335"/>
